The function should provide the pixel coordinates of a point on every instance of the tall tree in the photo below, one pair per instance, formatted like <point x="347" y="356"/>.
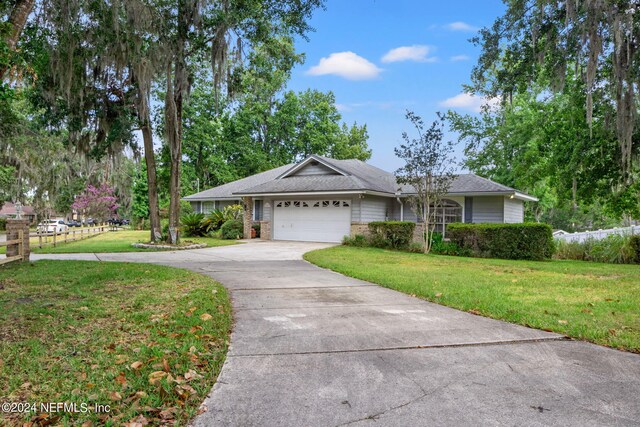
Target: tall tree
<point x="11" y="30"/>
<point x="428" y="168"/>
<point x="596" y="40"/>
<point x="194" y="27"/>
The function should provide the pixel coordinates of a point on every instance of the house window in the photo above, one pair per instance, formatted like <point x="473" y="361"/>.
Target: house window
<point x="257" y="210"/>
<point x="208" y="207"/>
<point x="447" y="212"/>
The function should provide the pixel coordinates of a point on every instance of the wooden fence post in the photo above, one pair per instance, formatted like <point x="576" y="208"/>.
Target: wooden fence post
<point x="18" y="229"/>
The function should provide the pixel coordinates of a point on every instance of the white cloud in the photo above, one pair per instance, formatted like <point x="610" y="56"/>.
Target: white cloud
<point x="461" y="26"/>
<point x="417" y="53"/>
<point x="342" y="107"/>
<point x="347" y="65"/>
<point x="458" y="58"/>
<point x="467" y="101"/>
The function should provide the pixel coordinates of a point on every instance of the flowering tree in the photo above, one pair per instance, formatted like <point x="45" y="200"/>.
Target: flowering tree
<point x="96" y="202"/>
<point x="428" y="169"/>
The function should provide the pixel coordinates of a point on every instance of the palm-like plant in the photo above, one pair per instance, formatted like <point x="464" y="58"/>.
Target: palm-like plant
<point x="192" y="224"/>
<point x="213" y="221"/>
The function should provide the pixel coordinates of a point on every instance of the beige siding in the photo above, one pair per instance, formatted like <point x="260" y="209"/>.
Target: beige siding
<point x="488" y="209"/>
<point x="318" y="169"/>
<point x="355" y="209"/>
<point x="267" y="208"/>
<point x="374" y="208"/>
<point x="513" y="210"/>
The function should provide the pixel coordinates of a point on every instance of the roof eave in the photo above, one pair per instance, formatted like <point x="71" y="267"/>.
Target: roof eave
<point x="512" y="194"/>
<point x="314" y="193"/>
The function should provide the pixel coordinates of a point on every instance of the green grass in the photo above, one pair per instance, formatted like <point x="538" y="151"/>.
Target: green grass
<point x="91" y="332"/>
<point x="584" y="300"/>
<point x="116" y="241"/>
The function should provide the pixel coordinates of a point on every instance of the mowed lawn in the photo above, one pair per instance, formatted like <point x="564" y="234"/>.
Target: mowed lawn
<point x="587" y="301"/>
<point x="148" y="341"/>
<point x="116" y="241"/>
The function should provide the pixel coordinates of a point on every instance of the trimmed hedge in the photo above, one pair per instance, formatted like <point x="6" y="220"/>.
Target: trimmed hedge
<point x="509" y="241"/>
<point x="394" y="234"/>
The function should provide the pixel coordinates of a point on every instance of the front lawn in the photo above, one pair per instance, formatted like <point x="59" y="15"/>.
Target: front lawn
<point x="148" y="341"/>
<point x="116" y="241"/>
<point x="584" y="300"/>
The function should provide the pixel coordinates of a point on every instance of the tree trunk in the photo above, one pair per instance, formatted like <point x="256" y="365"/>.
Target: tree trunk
<point x="172" y="121"/>
<point x="17" y="20"/>
<point x="152" y="184"/>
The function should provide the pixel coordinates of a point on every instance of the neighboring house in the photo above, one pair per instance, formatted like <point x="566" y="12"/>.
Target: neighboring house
<point x="9" y="211"/>
<point x="322" y="199"/>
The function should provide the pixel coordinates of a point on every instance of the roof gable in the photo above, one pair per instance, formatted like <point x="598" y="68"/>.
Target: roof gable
<point x="313" y="165"/>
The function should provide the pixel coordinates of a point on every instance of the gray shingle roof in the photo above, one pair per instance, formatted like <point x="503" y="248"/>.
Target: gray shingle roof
<point x="359" y="176"/>
<point x="226" y="191"/>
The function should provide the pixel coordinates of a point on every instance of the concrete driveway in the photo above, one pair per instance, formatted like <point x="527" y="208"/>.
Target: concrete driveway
<point x="311" y="347"/>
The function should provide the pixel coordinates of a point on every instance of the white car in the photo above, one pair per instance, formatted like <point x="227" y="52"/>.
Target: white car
<point x="52" y="226"/>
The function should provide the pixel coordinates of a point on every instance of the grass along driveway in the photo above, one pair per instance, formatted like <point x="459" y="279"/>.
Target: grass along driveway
<point x="588" y="301"/>
<point x="147" y="340"/>
<point x="117" y="241"/>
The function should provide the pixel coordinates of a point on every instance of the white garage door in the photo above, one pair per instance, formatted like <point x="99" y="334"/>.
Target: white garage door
<point x="311" y="220"/>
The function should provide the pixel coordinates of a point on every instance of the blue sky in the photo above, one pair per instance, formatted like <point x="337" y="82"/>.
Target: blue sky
<point x="381" y="57"/>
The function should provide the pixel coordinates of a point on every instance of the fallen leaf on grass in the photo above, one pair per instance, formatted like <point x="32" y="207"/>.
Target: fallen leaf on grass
<point x="474" y="311"/>
<point x="138" y="421"/>
<point x="114" y="395"/>
<point x="136" y="365"/>
<point x="165" y="365"/>
<point x="191" y="375"/>
<point x="206" y="316"/>
<point x="156" y="376"/>
<point x="439" y="294"/>
<point x="120" y="379"/>
<point x="120" y="359"/>
<point x="562" y="322"/>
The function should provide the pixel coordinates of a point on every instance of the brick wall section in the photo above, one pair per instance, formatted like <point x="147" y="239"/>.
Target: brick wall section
<point x="417" y="233"/>
<point x="13" y="227"/>
<point x="248" y="216"/>
<point x="359" y="228"/>
<point x="363" y="228"/>
<point x="265" y="230"/>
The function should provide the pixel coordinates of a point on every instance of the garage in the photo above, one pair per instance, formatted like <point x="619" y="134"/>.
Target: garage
<point x="311" y="220"/>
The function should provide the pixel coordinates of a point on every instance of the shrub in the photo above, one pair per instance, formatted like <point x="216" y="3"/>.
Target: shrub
<point x="192" y="224"/>
<point x="185" y="207"/>
<point x="213" y="221"/>
<point x="614" y="249"/>
<point x="359" y="240"/>
<point x="233" y="212"/>
<point x="393" y="234"/>
<point x="509" y="241"/>
<point x="232" y="229"/>
<point x="634" y="244"/>
<point x="440" y="247"/>
<point x="3" y="224"/>
<point x="257" y="228"/>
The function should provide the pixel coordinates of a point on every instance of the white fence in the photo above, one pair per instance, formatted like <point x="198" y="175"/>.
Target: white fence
<point x="597" y="234"/>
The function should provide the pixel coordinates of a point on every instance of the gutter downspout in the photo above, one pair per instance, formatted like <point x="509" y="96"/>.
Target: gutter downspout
<point x="401" y="207"/>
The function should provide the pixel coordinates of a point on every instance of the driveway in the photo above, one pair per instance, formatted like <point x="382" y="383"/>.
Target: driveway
<point x="312" y="347"/>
